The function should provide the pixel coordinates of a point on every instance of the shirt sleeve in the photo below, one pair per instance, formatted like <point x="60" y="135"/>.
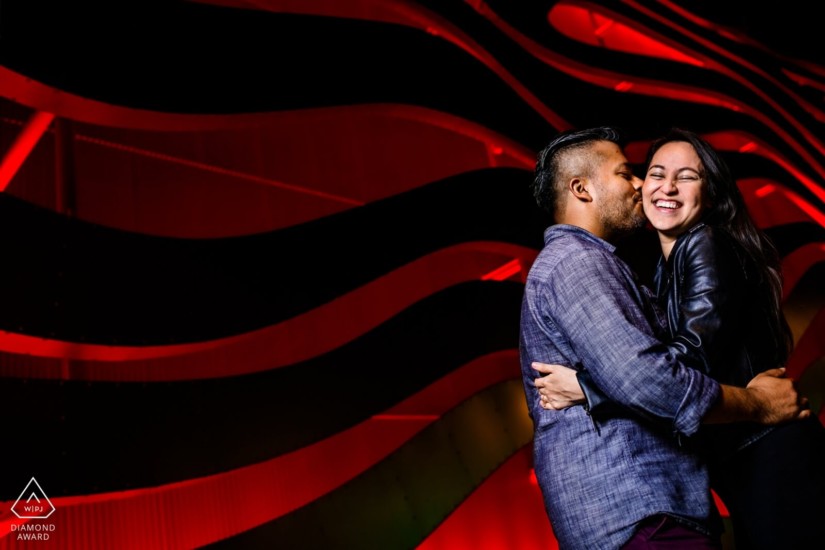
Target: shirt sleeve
<point x="591" y="298"/>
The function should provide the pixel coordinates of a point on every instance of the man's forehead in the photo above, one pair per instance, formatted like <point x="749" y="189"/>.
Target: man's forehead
<point x="613" y="155"/>
<point x="610" y="148"/>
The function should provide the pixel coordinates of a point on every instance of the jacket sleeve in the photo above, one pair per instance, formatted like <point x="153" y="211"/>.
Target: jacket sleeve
<point x="703" y="274"/>
<point x="595" y="399"/>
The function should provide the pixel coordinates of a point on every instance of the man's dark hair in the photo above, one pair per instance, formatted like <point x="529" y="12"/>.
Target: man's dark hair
<point x="547" y="182"/>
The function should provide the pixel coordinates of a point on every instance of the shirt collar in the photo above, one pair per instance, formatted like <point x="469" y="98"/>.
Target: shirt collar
<point x="559" y="229"/>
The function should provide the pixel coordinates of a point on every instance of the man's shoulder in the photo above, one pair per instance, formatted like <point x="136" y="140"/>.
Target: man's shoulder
<point x="568" y="259"/>
<point x="567" y="247"/>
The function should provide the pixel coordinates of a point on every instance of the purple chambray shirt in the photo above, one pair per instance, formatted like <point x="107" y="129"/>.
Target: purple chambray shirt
<point x="582" y="306"/>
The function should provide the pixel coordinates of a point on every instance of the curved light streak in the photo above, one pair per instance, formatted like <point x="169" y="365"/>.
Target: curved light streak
<point x="623" y="83"/>
<point x="810" y="348"/>
<point x="22" y="147"/>
<point x="250" y="496"/>
<point x="415" y="16"/>
<point x="705" y="61"/>
<point x="797" y="263"/>
<point x="804" y="80"/>
<point x="472" y="147"/>
<point x="770" y="204"/>
<point x="332" y="325"/>
<point x="743" y="142"/>
<point x="737" y="36"/>
<point x="25" y="91"/>
<point x="817" y="113"/>
<point x="524" y="526"/>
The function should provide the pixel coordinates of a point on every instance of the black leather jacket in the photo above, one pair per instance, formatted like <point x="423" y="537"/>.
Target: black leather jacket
<point x="715" y="308"/>
<point x="717" y="324"/>
<point x="717" y="321"/>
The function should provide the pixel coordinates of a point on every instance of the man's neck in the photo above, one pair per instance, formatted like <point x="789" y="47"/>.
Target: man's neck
<point x="589" y="225"/>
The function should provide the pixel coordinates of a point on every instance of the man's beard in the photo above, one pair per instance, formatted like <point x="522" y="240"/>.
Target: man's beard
<point x="619" y="223"/>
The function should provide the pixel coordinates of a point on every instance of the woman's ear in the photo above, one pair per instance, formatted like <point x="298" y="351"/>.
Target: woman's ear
<point x="578" y="186"/>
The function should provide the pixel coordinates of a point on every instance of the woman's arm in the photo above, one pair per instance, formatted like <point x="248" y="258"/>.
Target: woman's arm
<point x="558" y="387"/>
<point x="562" y="387"/>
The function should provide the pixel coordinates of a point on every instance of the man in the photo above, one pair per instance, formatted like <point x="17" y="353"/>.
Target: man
<point x="614" y="483"/>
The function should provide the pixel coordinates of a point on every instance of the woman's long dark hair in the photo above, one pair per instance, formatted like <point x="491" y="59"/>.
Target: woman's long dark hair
<point x="729" y="212"/>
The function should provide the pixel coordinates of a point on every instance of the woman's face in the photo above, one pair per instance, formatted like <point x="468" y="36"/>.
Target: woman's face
<point x="673" y="194"/>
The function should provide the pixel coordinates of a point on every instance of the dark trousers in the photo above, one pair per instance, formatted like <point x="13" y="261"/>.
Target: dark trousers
<point x="665" y="533"/>
<point x="775" y="489"/>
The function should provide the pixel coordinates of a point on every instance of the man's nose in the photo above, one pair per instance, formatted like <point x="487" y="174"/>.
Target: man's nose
<point x="637" y="183"/>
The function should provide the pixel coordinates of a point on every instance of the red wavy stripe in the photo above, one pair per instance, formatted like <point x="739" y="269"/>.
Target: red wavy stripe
<point x="815" y="111"/>
<point x="412" y="15"/>
<point x="743" y="142"/>
<point x="25" y="91"/>
<point x="283" y="344"/>
<point x="298" y="339"/>
<point x="626" y="39"/>
<point x="23" y="145"/>
<point x="624" y="83"/>
<point x="204" y="510"/>
<point x="603" y="28"/>
<point x="804" y="80"/>
<point x="771" y="204"/>
<point x="810" y="348"/>
<point x="798" y="262"/>
<point x="737" y="36"/>
<point x="506" y="511"/>
<point x="199" y="169"/>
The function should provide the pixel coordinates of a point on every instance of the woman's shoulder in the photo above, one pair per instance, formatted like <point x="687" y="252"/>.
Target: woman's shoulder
<point x="703" y="231"/>
<point x="709" y="245"/>
<point x="708" y="239"/>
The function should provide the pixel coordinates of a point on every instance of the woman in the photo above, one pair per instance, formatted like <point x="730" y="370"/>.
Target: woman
<point x="718" y="280"/>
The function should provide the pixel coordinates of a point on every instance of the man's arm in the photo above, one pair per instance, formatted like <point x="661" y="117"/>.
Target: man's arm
<point x="589" y="301"/>
<point x="769" y="398"/>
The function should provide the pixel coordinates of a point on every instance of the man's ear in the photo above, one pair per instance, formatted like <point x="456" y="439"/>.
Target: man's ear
<point x="579" y="187"/>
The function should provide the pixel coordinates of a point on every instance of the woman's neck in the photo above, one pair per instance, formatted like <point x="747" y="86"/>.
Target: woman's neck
<point x="666" y="242"/>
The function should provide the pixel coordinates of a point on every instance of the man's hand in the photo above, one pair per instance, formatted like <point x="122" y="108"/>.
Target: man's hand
<point x="769" y="398"/>
<point x="559" y="388"/>
<point x="777" y="397"/>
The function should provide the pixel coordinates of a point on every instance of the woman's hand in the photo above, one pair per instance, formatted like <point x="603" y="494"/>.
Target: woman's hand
<point x="558" y="388"/>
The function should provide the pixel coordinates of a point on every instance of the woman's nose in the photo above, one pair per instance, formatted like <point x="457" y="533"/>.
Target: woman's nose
<point x="669" y="186"/>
